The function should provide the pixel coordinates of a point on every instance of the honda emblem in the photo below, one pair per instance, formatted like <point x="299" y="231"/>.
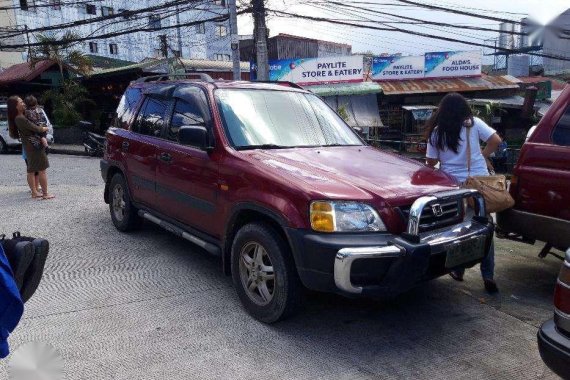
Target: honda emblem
<point x="437" y="210"/>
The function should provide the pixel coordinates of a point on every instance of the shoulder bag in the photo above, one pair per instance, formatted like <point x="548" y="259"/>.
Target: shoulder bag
<point x="492" y="187"/>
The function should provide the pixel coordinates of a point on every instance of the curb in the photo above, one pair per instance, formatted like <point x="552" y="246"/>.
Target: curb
<point x="69" y="152"/>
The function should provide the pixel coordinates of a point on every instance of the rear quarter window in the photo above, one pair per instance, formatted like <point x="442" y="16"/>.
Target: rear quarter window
<point x="127" y="107"/>
<point x="561" y="134"/>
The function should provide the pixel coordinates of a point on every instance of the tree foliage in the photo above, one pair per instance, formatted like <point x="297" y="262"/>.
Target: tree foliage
<point x="66" y="103"/>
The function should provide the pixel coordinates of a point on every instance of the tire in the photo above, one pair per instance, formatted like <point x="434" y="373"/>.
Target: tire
<point x="3" y="146"/>
<point x="270" y="300"/>
<point x="123" y="213"/>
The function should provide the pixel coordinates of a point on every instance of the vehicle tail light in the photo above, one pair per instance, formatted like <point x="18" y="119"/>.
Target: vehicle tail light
<point x="562" y="291"/>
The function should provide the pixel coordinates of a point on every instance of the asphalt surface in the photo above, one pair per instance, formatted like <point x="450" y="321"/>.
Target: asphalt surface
<point x="148" y="305"/>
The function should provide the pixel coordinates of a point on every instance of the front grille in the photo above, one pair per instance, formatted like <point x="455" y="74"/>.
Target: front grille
<point x="451" y="213"/>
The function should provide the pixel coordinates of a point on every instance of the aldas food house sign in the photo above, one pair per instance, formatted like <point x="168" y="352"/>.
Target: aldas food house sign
<point x="307" y="71"/>
<point x="430" y="65"/>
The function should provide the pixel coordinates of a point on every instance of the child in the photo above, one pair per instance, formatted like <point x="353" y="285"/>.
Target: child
<point x="35" y="114"/>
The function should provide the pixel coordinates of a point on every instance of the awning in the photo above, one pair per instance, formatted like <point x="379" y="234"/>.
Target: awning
<point x="433" y="85"/>
<point x="508" y="102"/>
<point x="345" y="89"/>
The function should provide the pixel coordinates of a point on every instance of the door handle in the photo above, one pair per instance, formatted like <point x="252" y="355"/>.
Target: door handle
<point x="165" y="157"/>
<point x="125" y="145"/>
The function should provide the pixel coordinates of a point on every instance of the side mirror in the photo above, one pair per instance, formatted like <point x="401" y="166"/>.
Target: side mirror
<point x="193" y="135"/>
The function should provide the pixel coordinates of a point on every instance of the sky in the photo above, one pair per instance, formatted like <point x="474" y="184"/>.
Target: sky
<point x="364" y="40"/>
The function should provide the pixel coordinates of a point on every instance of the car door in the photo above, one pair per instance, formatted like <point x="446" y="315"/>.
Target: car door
<point x="141" y="149"/>
<point x="544" y="170"/>
<point x="187" y="175"/>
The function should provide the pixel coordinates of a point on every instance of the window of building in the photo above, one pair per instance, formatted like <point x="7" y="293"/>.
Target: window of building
<point x="561" y="135"/>
<point x="220" y="2"/>
<point x="90" y="9"/>
<point x="221" y="30"/>
<point x="113" y="49"/>
<point x="186" y="113"/>
<point x="176" y="53"/>
<point x="154" y="22"/>
<point x="150" y="119"/>
<point x="25" y="5"/>
<point x="125" y="12"/>
<point x="107" y="11"/>
<point x="93" y="48"/>
<point x="201" y="28"/>
<point x="55" y="4"/>
<point x="222" y="57"/>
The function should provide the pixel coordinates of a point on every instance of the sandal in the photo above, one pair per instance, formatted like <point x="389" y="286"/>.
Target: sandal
<point x="456" y="275"/>
<point x="47" y="196"/>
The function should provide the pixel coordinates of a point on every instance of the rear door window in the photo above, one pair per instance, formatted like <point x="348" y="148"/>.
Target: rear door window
<point x="127" y="107"/>
<point x="150" y="119"/>
<point x="561" y="135"/>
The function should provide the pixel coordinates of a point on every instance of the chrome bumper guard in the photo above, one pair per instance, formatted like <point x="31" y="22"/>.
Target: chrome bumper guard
<point x="437" y="239"/>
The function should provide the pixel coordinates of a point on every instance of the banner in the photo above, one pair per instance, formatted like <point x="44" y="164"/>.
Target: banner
<point x="306" y="71"/>
<point x="397" y="67"/>
<point x="453" y="64"/>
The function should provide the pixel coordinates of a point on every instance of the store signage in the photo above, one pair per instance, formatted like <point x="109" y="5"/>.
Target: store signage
<point x="398" y="67"/>
<point x="453" y="64"/>
<point x="306" y="71"/>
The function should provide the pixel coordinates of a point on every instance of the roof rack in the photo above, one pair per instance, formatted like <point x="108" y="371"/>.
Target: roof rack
<point x="157" y="78"/>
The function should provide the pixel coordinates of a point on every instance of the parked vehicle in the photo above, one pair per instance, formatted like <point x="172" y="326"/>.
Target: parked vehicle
<point x="272" y="180"/>
<point x="540" y="183"/>
<point x="6" y="142"/>
<point x="93" y="143"/>
<point x="554" y="335"/>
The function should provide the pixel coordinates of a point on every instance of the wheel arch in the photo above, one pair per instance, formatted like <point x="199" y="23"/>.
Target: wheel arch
<point x="110" y="173"/>
<point x="243" y="214"/>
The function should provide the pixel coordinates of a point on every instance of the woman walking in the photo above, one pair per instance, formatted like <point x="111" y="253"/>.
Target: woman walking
<point x="37" y="160"/>
<point x="448" y="131"/>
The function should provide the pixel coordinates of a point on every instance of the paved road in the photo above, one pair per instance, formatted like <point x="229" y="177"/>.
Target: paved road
<point x="148" y="305"/>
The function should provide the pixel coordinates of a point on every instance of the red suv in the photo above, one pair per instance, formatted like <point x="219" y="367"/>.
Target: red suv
<point x="541" y="182"/>
<point x="273" y="181"/>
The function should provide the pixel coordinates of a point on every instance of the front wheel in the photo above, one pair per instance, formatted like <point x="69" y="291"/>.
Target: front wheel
<point x="123" y="213"/>
<point x="3" y="146"/>
<point x="264" y="273"/>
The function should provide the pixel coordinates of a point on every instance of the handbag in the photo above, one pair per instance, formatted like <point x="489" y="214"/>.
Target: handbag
<point x="36" y="142"/>
<point x="492" y="187"/>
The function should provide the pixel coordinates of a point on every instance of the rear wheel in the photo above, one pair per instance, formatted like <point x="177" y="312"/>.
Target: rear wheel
<point x="123" y="213"/>
<point x="264" y="273"/>
<point x="3" y="146"/>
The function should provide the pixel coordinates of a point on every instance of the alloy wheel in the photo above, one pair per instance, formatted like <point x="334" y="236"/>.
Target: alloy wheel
<point x="119" y="204"/>
<point x="256" y="273"/>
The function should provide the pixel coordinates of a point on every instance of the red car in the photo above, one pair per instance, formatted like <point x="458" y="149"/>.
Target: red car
<point x="541" y="182"/>
<point x="273" y="181"/>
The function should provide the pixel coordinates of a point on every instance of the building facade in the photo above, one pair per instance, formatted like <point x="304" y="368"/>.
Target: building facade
<point x="284" y="46"/>
<point x="159" y="33"/>
<point x="557" y="43"/>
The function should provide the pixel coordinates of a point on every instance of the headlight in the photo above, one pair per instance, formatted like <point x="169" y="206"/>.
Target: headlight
<point x="339" y="216"/>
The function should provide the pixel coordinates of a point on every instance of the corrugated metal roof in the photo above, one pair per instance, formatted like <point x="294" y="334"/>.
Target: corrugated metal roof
<point x="433" y="85"/>
<point x="345" y="89"/>
<point x="190" y="64"/>
<point x="23" y="72"/>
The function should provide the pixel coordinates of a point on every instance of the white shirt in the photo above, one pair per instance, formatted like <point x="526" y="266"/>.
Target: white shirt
<point x="455" y="164"/>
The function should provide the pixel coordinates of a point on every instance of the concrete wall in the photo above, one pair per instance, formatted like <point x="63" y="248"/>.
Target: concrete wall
<point x="558" y="44"/>
<point x="132" y="47"/>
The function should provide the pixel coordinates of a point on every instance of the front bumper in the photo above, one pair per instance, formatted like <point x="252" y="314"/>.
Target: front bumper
<point x="383" y="264"/>
<point x="554" y="348"/>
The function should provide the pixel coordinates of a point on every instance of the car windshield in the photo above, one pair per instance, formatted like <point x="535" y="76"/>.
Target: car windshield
<point x="272" y="119"/>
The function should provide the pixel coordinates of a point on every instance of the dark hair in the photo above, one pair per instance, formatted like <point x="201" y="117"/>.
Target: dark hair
<point x="12" y="113"/>
<point x="31" y="101"/>
<point x="450" y="116"/>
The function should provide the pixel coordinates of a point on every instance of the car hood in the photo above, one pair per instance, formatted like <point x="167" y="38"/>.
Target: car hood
<point x="353" y="172"/>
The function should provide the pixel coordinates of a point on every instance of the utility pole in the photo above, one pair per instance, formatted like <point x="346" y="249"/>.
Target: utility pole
<point x="178" y="34"/>
<point x="260" y="38"/>
<point x="235" y="39"/>
<point x="28" y="39"/>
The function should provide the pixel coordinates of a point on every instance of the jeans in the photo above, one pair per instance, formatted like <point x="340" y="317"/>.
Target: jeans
<point x="487" y="265"/>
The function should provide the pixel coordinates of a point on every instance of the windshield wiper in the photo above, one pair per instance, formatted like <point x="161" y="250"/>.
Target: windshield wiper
<point x="262" y="146"/>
